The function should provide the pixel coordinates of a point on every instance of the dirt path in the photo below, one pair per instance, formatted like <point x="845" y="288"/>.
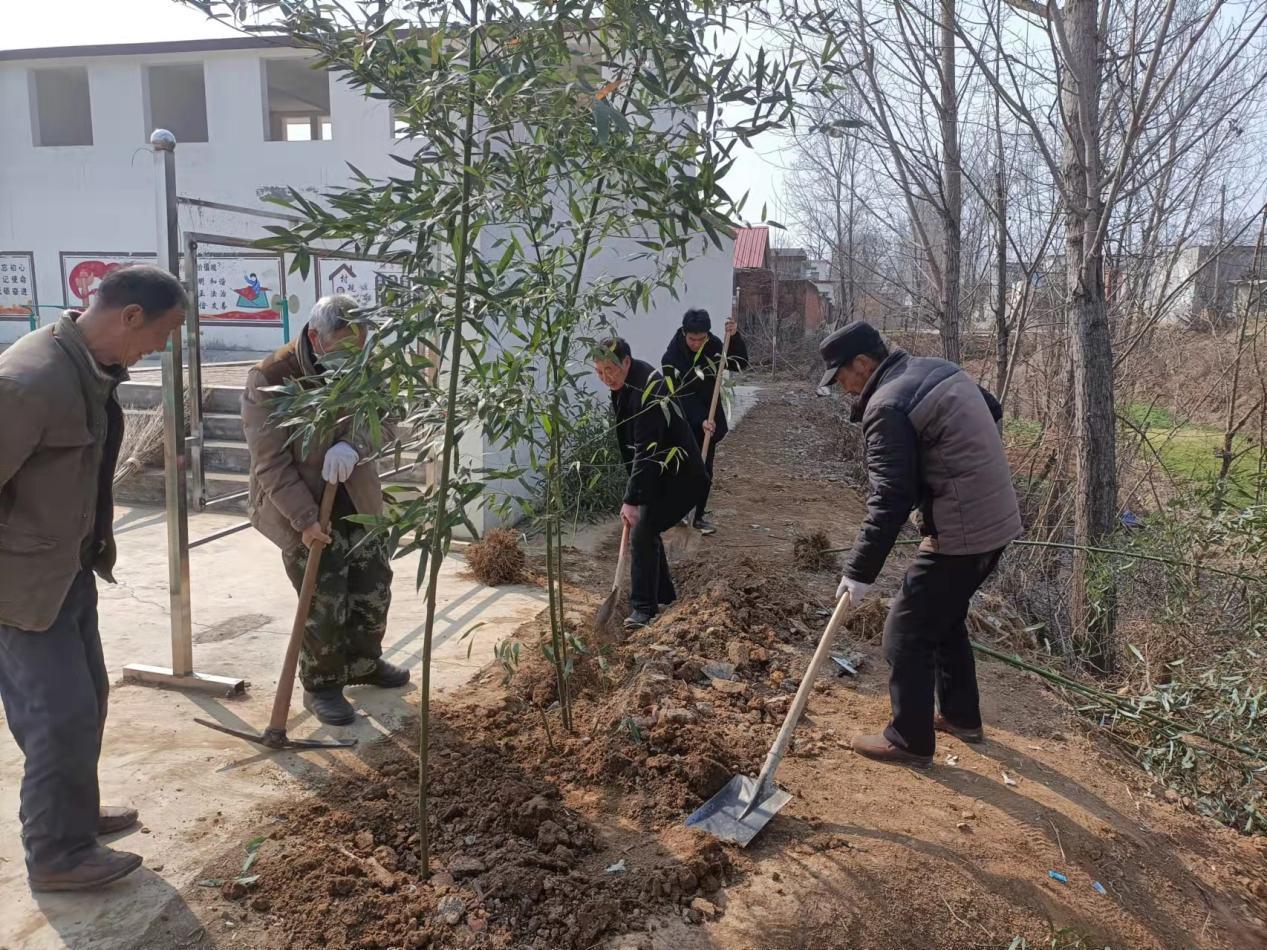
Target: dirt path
<point x="549" y="840"/>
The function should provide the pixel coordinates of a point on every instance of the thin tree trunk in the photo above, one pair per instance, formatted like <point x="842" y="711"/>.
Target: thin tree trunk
<point x="952" y="185"/>
<point x="1092" y="591"/>
<point x="1000" y="264"/>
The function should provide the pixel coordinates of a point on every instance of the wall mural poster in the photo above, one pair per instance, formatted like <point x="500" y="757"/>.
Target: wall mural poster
<point x="244" y="289"/>
<point x="17" y="285"/>
<point x="82" y="273"/>
<point x="364" y="281"/>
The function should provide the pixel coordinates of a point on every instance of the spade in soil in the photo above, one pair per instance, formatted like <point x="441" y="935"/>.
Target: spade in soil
<point x="745" y="806"/>
<point x="606" y="614"/>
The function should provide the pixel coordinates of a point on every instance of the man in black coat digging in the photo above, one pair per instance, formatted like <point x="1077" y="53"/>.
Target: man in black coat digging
<point x="666" y="472"/>
<point x="692" y="362"/>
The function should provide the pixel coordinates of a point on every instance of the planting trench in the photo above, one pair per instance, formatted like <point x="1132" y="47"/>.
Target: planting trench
<point x="546" y="839"/>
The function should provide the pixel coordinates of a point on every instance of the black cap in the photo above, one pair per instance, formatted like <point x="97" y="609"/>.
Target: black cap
<point x="839" y="348"/>
<point x="696" y="321"/>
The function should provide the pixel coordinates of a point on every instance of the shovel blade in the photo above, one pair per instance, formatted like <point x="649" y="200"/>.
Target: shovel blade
<point x="724" y="816"/>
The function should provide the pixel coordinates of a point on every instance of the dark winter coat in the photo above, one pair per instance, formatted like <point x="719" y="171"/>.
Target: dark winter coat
<point x="931" y="441"/>
<point x="694" y="376"/>
<point x="656" y="442"/>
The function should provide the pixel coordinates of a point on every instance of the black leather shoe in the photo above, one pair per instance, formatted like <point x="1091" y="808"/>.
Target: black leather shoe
<point x="704" y="526"/>
<point x="385" y="676"/>
<point x="100" y="867"/>
<point x="638" y="619"/>
<point x="330" y="706"/>
<point x="115" y="818"/>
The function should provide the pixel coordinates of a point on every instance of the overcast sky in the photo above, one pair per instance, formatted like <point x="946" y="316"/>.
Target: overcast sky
<point x="42" y="23"/>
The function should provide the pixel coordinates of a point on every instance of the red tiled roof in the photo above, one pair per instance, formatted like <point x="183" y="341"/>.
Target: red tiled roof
<point x="750" y="248"/>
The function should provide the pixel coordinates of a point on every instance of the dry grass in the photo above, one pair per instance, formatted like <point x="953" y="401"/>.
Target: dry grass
<point x="497" y="559"/>
<point x="810" y="552"/>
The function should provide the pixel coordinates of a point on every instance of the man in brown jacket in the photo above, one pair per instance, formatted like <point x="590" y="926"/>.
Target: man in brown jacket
<point x="60" y="430"/>
<point x="343" y="641"/>
<point x="932" y="442"/>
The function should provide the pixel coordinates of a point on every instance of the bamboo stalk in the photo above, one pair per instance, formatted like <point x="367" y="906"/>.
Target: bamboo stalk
<point x="450" y="428"/>
<point x="1112" y="699"/>
<point x="1091" y="549"/>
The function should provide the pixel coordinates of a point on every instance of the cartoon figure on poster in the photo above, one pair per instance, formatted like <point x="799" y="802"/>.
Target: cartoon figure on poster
<point x="239" y="290"/>
<point x="84" y="273"/>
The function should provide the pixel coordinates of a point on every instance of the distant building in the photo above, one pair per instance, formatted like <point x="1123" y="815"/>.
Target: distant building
<point x="1199" y="289"/>
<point x="764" y="274"/>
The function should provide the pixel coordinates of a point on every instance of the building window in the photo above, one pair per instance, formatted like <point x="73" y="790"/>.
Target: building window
<point x="296" y="101"/>
<point x="176" y="100"/>
<point x="61" y="108"/>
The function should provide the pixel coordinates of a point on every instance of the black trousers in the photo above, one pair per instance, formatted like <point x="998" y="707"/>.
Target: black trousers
<point x="926" y="646"/>
<point x="650" y="583"/>
<point x="54" y="687"/>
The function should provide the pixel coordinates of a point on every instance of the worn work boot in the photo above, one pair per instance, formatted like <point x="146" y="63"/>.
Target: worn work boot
<point x="99" y="867"/>
<point x="385" y="676"/>
<point x="114" y="818"/>
<point x="882" y="750"/>
<point x="942" y="724"/>
<point x="704" y="526"/>
<point x="330" y="706"/>
<point x="638" y="619"/>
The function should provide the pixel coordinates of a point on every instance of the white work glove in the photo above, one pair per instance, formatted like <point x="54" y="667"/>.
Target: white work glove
<point x="340" y="460"/>
<point x="855" y="589"/>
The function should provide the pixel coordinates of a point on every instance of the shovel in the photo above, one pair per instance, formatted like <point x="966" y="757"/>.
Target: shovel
<point x="607" y="610"/>
<point x="274" y="736"/>
<point x="744" y="806"/>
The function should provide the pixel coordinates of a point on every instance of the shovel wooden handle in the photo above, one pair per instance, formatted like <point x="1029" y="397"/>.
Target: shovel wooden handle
<point x="286" y="682"/>
<point x="766" y="778"/>
<point x="712" y="409"/>
<point x="622" y="560"/>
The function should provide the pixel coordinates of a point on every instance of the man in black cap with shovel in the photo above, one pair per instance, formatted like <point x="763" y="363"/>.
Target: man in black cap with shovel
<point x="932" y="442"/>
<point x="693" y="361"/>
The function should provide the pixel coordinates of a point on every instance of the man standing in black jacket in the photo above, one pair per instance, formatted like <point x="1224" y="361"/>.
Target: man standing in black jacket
<point x="666" y="473"/>
<point x="933" y="442"/>
<point x="691" y="362"/>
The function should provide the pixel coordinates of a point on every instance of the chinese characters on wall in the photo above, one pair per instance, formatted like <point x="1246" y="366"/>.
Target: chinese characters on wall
<point x="17" y="286"/>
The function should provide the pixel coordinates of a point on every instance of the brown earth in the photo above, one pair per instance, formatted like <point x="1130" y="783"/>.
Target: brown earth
<point x="544" y="838"/>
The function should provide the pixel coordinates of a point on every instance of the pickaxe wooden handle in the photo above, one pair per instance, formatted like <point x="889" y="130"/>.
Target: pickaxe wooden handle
<point x="286" y="682"/>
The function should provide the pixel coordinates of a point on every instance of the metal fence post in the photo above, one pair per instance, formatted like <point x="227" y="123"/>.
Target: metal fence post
<point x="175" y="454"/>
<point x="193" y="335"/>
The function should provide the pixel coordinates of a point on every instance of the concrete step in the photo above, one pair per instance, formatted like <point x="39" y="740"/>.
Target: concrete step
<point x="226" y="457"/>
<point x="149" y="488"/>
<point x="147" y="395"/>
<point x="223" y="427"/>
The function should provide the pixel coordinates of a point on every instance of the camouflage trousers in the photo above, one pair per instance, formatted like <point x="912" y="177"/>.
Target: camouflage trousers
<point x="344" y="634"/>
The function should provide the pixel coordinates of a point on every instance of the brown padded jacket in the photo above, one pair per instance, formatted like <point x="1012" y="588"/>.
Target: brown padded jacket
<point x="286" y="482"/>
<point x="60" y="430"/>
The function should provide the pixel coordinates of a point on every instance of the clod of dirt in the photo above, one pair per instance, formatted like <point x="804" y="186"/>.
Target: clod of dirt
<point x="809" y="552"/>
<point x="497" y="559"/>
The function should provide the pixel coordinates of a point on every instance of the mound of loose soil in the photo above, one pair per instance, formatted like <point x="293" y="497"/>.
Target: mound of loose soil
<point x="512" y="865"/>
<point x="496" y="559"/>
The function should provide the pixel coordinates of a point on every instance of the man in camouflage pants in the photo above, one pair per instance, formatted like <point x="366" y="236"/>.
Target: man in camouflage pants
<point x="344" y="635"/>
